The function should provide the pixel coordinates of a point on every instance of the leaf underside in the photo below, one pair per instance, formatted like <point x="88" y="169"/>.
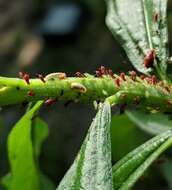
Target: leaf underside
<point x="92" y="167"/>
<point x="130" y="168"/>
<point x="132" y="23"/>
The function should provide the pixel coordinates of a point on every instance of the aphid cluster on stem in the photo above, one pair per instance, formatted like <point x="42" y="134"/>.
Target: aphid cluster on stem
<point x="102" y="71"/>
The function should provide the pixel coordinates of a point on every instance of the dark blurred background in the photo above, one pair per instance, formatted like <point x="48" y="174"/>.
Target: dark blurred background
<point x="43" y="36"/>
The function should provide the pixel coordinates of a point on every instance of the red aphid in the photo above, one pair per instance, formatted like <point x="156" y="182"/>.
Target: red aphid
<point x="25" y="76"/>
<point x="50" y="101"/>
<point x="142" y="77"/>
<point x="155" y="17"/>
<point x="80" y="75"/>
<point x="41" y="77"/>
<point x="133" y="75"/>
<point x="167" y="88"/>
<point x="102" y="70"/>
<point x="117" y="82"/>
<point x="31" y="93"/>
<point x="149" y="58"/>
<point x="169" y="102"/>
<point x="161" y="83"/>
<point x="110" y="72"/>
<point x="122" y="75"/>
<point x="153" y="79"/>
<point x="98" y="74"/>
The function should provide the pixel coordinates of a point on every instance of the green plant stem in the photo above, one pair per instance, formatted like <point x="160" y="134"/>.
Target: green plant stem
<point x="15" y="91"/>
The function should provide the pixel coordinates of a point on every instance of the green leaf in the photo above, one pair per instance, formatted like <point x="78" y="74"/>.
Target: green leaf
<point x="132" y="23"/>
<point x="129" y="169"/>
<point x="152" y="123"/>
<point x="92" y="167"/>
<point x="23" y="167"/>
<point x="123" y="128"/>
<point x="40" y="133"/>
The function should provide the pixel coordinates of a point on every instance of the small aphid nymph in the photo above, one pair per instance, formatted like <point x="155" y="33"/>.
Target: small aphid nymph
<point x="31" y="93"/>
<point x="79" y="74"/>
<point x="53" y="76"/>
<point x="79" y="87"/>
<point x="154" y="79"/>
<point x="155" y="17"/>
<point x="149" y="58"/>
<point x="142" y="77"/>
<point x="110" y="73"/>
<point x="50" y="101"/>
<point x="117" y="82"/>
<point x="169" y="102"/>
<point x="25" y="76"/>
<point x="122" y="75"/>
<point x="133" y="75"/>
<point x="41" y="77"/>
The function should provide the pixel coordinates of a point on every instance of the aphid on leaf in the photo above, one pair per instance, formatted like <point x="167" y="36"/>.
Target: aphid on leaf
<point x="149" y="58"/>
<point x="155" y="17"/>
<point x="41" y="77"/>
<point x="133" y="75"/>
<point x="122" y="75"/>
<point x="79" y="87"/>
<point x="50" y="101"/>
<point x="117" y="82"/>
<point x="25" y="76"/>
<point x="31" y="93"/>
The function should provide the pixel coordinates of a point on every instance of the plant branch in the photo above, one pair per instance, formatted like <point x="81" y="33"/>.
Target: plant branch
<point x="87" y="89"/>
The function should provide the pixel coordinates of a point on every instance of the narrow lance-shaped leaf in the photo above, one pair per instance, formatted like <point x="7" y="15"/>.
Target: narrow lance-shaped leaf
<point x="92" y="167"/>
<point x="140" y="26"/>
<point x="23" y="167"/>
<point x="129" y="169"/>
<point x="152" y="123"/>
